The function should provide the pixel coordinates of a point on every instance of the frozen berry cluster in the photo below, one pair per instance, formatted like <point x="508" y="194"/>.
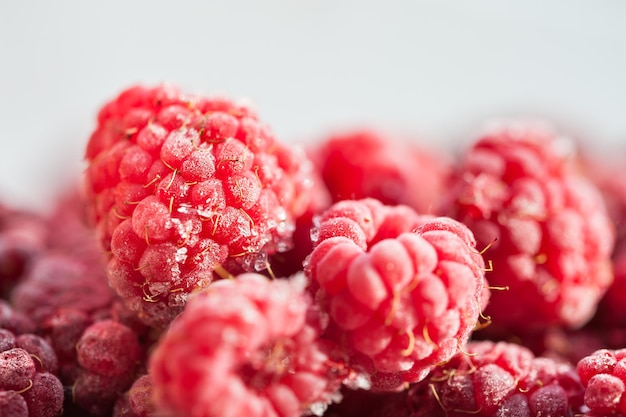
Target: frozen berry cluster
<point x="203" y="268"/>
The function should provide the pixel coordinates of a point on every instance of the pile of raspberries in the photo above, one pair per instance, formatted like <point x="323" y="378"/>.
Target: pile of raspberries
<point x="200" y="267"/>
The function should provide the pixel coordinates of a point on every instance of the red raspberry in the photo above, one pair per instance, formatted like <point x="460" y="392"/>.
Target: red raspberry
<point x="497" y="380"/>
<point x="184" y="186"/>
<point x="610" y="177"/>
<point x="27" y="386"/>
<point x="244" y="347"/>
<point x="138" y="401"/>
<point x="108" y="348"/>
<point x="22" y="238"/>
<point x="517" y="185"/>
<point x="364" y="163"/>
<point x="403" y="291"/>
<point x="14" y="321"/>
<point x="108" y="353"/>
<point x="603" y="374"/>
<point x="59" y="281"/>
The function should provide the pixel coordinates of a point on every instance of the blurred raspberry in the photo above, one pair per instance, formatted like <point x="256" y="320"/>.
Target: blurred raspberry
<point x="244" y="347"/>
<point x="182" y="187"/>
<point x="497" y="380"/>
<point x="609" y="174"/>
<point x="551" y="237"/>
<point x="403" y="291"/>
<point x="22" y="238"/>
<point x="365" y="163"/>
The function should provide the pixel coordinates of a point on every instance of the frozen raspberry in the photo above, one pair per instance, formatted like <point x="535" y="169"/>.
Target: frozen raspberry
<point x="58" y="281"/>
<point x="22" y="238"/>
<point x="244" y="347"/>
<point x="95" y="394"/>
<point x="13" y="404"/>
<point x="108" y="348"/>
<point x="138" y="401"/>
<point x="364" y="163"/>
<point x="25" y="362"/>
<point x="610" y="177"/>
<point x="45" y="357"/>
<point x="14" y="321"/>
<point x="107" y="354"/>
<point x="497" y="380"/>
<point x="551" y="239"/>
<point x="403" y="291"/>
<point x="184" y="186"/>
<point x="603" y="374"/>
<point x="45" y="397"/>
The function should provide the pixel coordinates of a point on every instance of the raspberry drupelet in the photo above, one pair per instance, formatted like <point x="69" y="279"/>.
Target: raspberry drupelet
<point x="403" y="292"/>
<point x="519" y="188"/>
<point x="244" y="347"/>
<point x="497" y="380"/>
<point x="185" y="189"/>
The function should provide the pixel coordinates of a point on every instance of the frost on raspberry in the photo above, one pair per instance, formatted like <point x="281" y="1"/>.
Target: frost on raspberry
<point x="183" y="188"/>
<point x="497" y="380"/>
<point x="519" y="188"/>
<point x="244" y="347"/>
<point x="403" y="291"/>
<point x="603" y="373"/>
<point x="365" y="163"/>
<point x="28" y="386"/>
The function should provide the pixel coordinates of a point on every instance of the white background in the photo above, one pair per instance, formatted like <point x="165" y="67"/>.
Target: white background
<point x="437" y="67"/>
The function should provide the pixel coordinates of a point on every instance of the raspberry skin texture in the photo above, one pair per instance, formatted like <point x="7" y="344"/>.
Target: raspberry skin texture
<point x="519" y="189"/>
<point x="497" y="379"/>
<point x="403" y="292"/>
<point x="366" y="163"/>
<point x="183" y="188"/>
<point x="244" y="347"/>
<point x="603" y="373"/>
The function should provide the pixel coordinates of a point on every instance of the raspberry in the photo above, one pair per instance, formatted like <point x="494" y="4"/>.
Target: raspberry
<point x="14" y="321"/>
<point x="401" y="302"/>
<point x="260" y="355"/>
<point x="108" y="348"/>
<point x="45" y="357"/>
<point x="609" y="176"/>
<point x="58" y="281"/>
<point x="497" y="379"/>
<point x="518" y="189"/>
<point x="45" y="396"/>
<point x="17" y="369"/>
<point x="108" y="353"/>
<point x="364" y="163"/>
<point x="183" y="186"/>
<point x="13" y="404"/>
<point x="96" y="394"/>
<point x="22" y="238"/>
<point x="25" y="365"/>
<point x="603" y="373"/>
<point x="138" y="401"/>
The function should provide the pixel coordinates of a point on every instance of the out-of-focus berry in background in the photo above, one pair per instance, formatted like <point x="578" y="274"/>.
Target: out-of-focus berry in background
<point x="435" y="69"/>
